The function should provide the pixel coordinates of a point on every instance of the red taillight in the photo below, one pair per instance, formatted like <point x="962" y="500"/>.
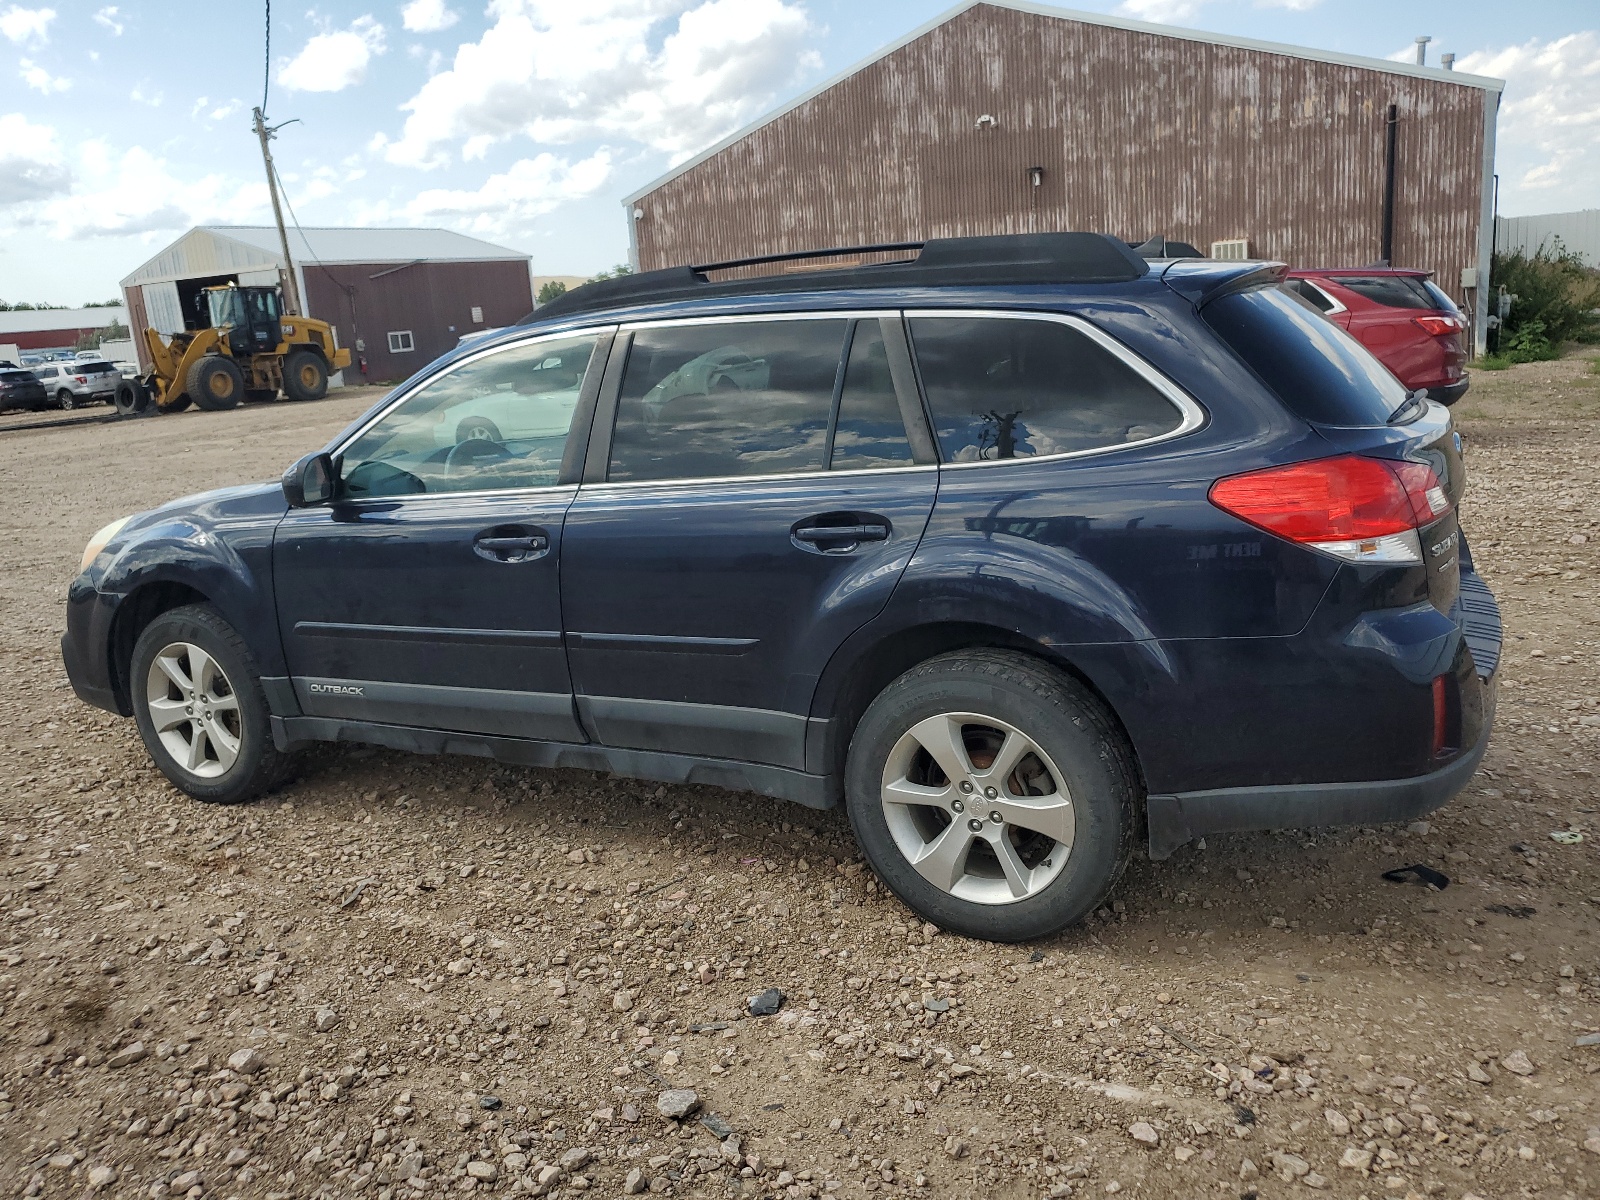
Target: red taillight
<point x="81" y="378"/>
<point x="1361" y="509"/>
<point x="1438" y="326"/>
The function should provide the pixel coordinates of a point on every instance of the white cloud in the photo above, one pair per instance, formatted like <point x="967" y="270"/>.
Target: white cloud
<point x="428" y="16"/>
<point x="31" y="166"/>
<point x="1549" y="126"/>
<point x="331" y="62"/>
<point x="109" y="191"/>
<point x="108" y="17"/>
<point x="1291" y="5"/>
<point x="41" y="80"/>
<point x="673" y="74"/>
<point x="26" y="24"/>
<point x="1164" y="11"/>
<point x="509" y="202"/>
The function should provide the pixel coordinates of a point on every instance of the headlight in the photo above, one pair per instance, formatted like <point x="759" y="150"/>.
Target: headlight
<point x="98" y="542"/>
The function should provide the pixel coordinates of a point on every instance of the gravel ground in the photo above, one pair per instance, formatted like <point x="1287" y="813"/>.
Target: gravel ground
<point x="400" y="977"/>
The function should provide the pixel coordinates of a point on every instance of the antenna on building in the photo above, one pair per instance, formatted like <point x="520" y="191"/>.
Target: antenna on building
<point x="1422" y="50"/>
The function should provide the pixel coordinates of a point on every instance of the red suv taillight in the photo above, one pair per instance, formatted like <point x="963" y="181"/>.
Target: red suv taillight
<point x="1363" y="510"/>
<point x="1439" y="326"/>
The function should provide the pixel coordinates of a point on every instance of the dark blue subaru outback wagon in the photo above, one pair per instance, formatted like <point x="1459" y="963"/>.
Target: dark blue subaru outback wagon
<point x="1022" y="547"/>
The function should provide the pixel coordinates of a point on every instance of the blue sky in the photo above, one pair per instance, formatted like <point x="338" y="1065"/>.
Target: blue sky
<point x="526" y="121"/>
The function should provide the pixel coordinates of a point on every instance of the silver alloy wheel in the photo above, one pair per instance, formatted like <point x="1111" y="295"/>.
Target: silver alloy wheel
<point x="977" y="808"/>
<point x="193" y="709"/>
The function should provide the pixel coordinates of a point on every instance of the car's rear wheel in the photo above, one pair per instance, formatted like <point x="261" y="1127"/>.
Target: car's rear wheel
<point x="993" y="794"/>
<point x="478" y="429"/>
<point x="66" y="401"/>
<point x="200" y="709"/>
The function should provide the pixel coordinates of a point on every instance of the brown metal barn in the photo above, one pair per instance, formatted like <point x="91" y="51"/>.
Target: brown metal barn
<point x="397" y="298"/>
<point x="1007" y="117"/>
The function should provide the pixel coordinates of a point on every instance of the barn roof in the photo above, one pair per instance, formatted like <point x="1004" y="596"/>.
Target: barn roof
<point x="220" y="249"/>
<point x="1437" y="74"/>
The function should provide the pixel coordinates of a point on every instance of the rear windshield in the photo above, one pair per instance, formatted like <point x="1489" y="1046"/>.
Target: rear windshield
<point x="17" y="376"/>
<point x="1322" y="373"/>
<point x="1392" y="291"/>
<point x="94" y="368"/>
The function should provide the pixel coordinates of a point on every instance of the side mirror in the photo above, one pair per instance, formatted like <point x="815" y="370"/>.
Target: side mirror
<point x="309" y="481"/>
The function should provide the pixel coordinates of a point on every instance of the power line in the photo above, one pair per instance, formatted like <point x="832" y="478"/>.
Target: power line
<point x="266" y="74"/>
<point x="348" y="289"/>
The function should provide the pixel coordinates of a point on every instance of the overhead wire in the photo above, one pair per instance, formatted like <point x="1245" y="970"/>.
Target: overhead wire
<point x="266" y="74"/>
<point x="349" y="289"/>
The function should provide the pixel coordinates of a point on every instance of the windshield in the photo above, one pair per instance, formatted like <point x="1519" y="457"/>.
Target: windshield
<point x="1317" y="369"/>
<point x="224" y="306"/>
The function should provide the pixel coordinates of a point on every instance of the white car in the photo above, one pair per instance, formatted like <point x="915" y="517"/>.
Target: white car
<point x="727" y="368"/>
<point x="541" y="408"/>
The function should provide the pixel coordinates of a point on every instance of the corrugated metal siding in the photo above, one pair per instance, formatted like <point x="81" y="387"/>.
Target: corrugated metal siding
<point x="1136" y="133"/>
<point x="427" y="299"/>
<point x="1578" y="232"/>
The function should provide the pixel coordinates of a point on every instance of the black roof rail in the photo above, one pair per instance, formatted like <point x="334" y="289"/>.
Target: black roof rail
<point x="946" y="262"/>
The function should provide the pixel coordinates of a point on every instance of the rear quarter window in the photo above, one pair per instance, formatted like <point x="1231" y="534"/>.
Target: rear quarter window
<point x="1392" y="291"/>
<point x="1022" y="387"/>
<point x="1319" y="371"/>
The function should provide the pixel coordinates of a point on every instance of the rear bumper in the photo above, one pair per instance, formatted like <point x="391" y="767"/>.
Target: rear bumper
<point x="1449" y="393"/>
<point x="1177" y="819"/>
<point x="1473" y="647"/>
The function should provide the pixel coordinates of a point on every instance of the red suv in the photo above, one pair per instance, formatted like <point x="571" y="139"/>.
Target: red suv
<point x="1407" y="322"/>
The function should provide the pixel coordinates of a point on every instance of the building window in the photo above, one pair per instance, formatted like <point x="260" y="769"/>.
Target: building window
<point x="400" y="341"/>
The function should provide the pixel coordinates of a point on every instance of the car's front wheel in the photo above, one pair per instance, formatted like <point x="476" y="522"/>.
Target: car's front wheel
<point x="200" y="709"/>
<point x="993" y="794"/>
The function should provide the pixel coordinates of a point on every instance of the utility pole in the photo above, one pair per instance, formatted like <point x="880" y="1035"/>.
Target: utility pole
<point x="291" y="290"/>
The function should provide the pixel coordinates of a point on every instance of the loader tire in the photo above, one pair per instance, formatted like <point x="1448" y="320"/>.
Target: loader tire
<point x="215" y="383"/>
<point x="305" y="375"/>
<point x="131" y="398"/>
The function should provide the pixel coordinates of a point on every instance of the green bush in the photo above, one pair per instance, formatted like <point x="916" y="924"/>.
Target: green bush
<point x="549" y="290"/>
<point x="1492" y="362"/>
<point x="1556" y="302"/>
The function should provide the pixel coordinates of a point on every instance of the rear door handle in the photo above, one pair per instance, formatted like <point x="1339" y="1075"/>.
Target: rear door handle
<point x="510" y="548"/>
<point x="842" y="533"/>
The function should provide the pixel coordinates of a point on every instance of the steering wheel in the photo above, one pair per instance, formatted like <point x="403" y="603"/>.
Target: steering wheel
<point x="465" y="455"/>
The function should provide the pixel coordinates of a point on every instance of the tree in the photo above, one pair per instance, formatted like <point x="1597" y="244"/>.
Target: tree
<point x="616" y="272"/>
<point x="549" y="290"/>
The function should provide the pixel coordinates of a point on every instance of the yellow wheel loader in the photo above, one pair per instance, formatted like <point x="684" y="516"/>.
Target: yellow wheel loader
<point x="250" y="351"/>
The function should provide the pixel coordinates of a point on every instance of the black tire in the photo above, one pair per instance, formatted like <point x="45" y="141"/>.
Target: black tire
<point x="215" y="383"/>
<point x="258" y="765"/>
<point x="130" y="398"/>
<point x="1076" y="735"/>
<point x="66" y="401"/>
<point x="305" y="375"/>
<point x="478" y="429"/>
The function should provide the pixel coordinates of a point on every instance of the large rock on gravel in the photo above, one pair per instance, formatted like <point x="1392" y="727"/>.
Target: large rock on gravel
<point x="128" y="1055"/>
<point x="246" y="1061"/>
<point x="1518" y="1063"/>
<point x="677" y="1103"/>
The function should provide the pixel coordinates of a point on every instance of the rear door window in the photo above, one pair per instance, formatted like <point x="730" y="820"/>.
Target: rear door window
<point x="1317" y="369"/>
<point x="727" y="398"/>
<point x="1023" y="387"/>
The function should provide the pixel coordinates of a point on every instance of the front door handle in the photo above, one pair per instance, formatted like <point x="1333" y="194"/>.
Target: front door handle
<point x="507" y="547"/>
